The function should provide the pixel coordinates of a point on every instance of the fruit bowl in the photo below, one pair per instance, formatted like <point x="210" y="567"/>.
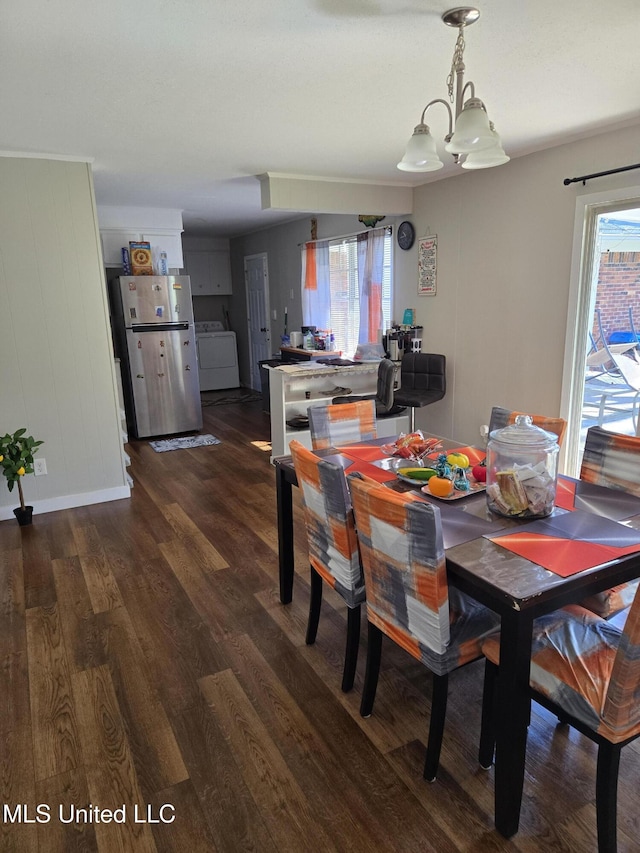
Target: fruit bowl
<point x="398" y="463"/>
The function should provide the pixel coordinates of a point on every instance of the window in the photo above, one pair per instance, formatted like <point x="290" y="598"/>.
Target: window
<point x="341" y="290"/>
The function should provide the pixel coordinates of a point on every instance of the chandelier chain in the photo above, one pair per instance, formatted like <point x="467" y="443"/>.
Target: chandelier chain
<point x="458" y="53"/>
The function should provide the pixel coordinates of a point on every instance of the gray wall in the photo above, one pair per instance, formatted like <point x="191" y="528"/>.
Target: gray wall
<point x="282" y="245"/>
<point x="58" y="376"/>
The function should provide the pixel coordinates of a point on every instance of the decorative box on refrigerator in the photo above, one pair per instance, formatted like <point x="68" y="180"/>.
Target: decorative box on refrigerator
<point x="152" y="321"/>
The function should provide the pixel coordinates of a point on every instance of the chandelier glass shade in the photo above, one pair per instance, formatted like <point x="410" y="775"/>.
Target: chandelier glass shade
<point x="488" y="157"/>
<point x="421" y="154"/>
<point x="470" y="132"/>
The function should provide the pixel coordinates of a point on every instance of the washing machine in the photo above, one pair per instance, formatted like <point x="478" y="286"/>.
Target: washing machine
<point x="217" y="356"/>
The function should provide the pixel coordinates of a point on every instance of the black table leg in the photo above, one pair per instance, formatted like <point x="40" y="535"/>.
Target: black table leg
<point x="512" y="711"/>
<point x="284" y="501"/>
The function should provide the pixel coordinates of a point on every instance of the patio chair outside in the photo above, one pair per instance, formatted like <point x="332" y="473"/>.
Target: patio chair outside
<point x="628" y="368"/>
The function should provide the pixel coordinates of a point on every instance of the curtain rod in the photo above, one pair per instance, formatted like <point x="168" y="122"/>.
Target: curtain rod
<point x="586" y="178"/>
<point x="346" y="236"/>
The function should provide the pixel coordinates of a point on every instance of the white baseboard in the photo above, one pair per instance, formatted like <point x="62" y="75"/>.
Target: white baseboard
<point x="70" y="501"/>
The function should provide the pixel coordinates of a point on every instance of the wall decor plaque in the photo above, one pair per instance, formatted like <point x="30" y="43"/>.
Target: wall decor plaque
<point x="427" y="265"/>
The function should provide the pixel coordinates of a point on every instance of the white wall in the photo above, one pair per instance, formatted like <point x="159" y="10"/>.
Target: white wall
<point x="57" y="372"/>
<point x="505" y="238"/>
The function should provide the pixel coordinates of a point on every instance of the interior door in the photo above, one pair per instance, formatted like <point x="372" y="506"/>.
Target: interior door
<point x="256" y="278"/>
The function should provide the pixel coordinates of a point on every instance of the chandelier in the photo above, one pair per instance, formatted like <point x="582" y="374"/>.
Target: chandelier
<point x="473" y="135"/>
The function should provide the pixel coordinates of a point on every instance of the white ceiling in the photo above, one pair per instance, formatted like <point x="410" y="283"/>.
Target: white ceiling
<point x="181" y="103"/>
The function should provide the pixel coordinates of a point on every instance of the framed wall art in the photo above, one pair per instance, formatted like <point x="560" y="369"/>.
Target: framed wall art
<point x="427" y="265"/>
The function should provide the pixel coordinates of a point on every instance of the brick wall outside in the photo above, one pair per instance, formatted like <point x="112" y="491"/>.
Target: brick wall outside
<point x="618" y="290"/>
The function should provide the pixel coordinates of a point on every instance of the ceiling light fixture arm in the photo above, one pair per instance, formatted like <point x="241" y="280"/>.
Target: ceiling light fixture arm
<point x="440" y="101"/>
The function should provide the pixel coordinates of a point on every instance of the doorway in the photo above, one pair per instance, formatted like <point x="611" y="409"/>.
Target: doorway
<point x="604" y="309"/>
<point x="256" y="277"/>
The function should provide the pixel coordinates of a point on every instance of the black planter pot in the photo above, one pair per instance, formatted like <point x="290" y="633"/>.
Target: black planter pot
<point x="24" y="516"/>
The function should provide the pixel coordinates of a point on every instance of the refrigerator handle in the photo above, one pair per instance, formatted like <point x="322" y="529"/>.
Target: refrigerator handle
<point x="158" y="327"/>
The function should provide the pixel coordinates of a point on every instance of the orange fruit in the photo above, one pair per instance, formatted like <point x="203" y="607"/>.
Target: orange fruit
<point x="440" y="487"/>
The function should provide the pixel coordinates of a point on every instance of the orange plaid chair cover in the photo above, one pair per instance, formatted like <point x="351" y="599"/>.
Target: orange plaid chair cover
<point x="338" y="424"/>
<point x="408" y="597"/>
<point x="587" y="669"/>
<point x="504" y="417"/>
<point x="612" y="460"/>
<point x="409" y="600"/>
<point x="333" y="547"/>
<point x="331" y="535"/>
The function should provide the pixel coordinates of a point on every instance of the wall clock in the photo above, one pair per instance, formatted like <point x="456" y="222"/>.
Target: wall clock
<point x="406" y="235"/>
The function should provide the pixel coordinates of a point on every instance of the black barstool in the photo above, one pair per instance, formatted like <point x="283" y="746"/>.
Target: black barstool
<point x="386" y="405"/>
<point x="422" y="381"/>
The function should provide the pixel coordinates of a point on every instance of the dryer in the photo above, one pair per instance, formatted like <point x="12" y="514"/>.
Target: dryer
<point x="217" y="356"/>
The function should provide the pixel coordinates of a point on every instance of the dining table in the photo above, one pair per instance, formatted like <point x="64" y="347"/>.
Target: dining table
<point x="519" y="568"/>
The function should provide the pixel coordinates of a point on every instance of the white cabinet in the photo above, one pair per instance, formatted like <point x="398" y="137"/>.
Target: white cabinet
<point x="209" y="271"/>
<point x="289" y="384"/>
<point x="114" y="239"/>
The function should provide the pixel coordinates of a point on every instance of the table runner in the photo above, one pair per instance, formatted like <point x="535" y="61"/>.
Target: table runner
<point x="457" y="525"/>
<point x="569" y="543"/>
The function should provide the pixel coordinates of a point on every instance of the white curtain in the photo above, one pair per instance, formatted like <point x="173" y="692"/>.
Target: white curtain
<point x="316" y="285"/>
<point x="370" y="271"/>
<point x="354" y="315"/>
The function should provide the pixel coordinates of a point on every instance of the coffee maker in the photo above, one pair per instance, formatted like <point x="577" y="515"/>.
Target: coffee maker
<point x="400" y="340"/>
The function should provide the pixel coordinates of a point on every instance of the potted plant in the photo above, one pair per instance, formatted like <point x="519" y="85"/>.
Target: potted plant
<point x="16" y="460"/>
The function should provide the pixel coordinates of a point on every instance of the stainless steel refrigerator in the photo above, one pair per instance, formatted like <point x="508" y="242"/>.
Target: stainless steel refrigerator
<point x="154" y="337"/>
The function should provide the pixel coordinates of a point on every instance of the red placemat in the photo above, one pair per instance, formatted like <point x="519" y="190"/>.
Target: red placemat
<point x="566" y="494"/>
<point x="366" y="452"/>
<point x="569" y="543"/>
<point x="372" y="471"/>
<point x="564" y="557"/>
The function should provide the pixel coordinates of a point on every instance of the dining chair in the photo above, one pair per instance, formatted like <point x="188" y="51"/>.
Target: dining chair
<point x="384" y="396"/>
<point x="333" y="547"/>
<point x="333" y="425"/>
<point x="408" y="598"/>
<point x="613" y="460"/>
<point x="423" y="380"/>
<point x="501" y="417"/>
<point x="586" y="671"/>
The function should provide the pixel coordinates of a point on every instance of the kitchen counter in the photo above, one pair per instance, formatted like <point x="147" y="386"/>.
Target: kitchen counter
<point x="294" y="387"/>
<point x="298" y="354"/>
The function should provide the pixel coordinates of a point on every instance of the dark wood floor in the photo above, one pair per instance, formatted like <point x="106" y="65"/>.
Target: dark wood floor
<point x="146" y="660"/>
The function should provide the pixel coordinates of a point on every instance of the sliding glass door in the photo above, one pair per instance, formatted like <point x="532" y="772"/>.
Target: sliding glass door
<point x="602" y="361"/>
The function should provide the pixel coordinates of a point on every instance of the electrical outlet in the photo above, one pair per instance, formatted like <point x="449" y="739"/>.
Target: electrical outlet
<point x="291" y="294"/>
<point x="39" y="467"/>
<point x="274" y="314"/>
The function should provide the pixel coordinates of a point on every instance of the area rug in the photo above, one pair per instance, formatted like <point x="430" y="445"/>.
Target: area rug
<point x="224" y="398"/>
<point x="184" y="443"/>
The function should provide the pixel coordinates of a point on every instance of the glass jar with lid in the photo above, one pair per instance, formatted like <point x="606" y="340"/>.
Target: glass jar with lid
<point x="522" y="470"/>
